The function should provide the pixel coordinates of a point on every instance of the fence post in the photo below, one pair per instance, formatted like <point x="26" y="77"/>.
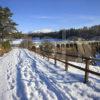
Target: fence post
<point x="43" y="54"/>
<point x="66" y="65"/>
<point x="48" y="56"/>
<point x="55" y="59"/>
<point x="86" y="70"/>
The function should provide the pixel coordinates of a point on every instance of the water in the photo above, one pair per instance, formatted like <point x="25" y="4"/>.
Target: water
<point x="35" y="40"/>
<point x="45" y="39"/>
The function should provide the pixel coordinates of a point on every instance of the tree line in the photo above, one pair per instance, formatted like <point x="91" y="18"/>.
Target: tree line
<point x="85" y="33"/>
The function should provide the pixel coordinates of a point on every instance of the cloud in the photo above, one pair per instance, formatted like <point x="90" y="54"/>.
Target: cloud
<point x="86" y="17"/>
<point x="45" y="30"/>
<point x="46" y="17"/>
<point x="89" y="17"/>
<point x="68" y="18"/>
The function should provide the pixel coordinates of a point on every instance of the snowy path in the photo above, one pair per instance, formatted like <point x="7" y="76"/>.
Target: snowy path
<point x="24" y="75"/>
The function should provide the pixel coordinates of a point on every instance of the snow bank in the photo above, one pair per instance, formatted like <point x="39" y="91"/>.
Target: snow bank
<point x="25" y="75"/>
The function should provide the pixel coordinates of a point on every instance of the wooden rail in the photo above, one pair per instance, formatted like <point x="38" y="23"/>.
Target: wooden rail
<point x="86" y="59"/>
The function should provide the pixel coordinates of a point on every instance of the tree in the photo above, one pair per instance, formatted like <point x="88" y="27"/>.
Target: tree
<point x="7" y="26"/>
<point x="46" y="48"/>
<point x="26" y="44"/>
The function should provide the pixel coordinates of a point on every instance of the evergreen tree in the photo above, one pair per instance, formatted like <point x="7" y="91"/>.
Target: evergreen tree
<point x="7" y="26"/>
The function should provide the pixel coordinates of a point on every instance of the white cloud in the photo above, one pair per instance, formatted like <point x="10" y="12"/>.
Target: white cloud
<point x="46" y="17"/>
<point x="45" y="30"/>
<point x="68" y="17"/>
<point x="87" y="17"/>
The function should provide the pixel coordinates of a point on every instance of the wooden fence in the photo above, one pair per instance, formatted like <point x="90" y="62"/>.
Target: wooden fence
<point x="87" y="61"/>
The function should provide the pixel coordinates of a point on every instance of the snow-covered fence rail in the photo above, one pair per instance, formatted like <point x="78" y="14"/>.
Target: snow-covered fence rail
<point x="86" y="60"/>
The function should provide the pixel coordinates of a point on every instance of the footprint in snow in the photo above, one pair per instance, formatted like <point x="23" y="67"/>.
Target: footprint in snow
<point x="7" y="70"/>
<point x="13" y="81"/>
<point x="25" y="74"/>
<point x="8" y="77"/>
<point x="11" y="87"/>
<point x="10" y="73"/>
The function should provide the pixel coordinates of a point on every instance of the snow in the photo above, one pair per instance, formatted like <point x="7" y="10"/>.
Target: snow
<point x="25" y="75"/>
<point x="17" y="41"/>
<point x="98" y="57"/>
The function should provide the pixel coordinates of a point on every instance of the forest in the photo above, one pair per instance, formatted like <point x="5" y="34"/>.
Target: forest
<point x="86" y="33"/>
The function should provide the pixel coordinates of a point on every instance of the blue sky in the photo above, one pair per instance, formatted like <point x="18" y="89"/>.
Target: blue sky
<point x="50" y="15"/>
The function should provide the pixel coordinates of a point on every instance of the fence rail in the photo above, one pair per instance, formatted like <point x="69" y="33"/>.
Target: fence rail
<point x="86" y="60"/>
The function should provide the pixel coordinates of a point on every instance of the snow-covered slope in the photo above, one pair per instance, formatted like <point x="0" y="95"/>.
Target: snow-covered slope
<point x="25" y="75"/>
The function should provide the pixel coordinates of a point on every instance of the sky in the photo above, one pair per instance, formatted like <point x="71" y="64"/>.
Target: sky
<point x="51" y="15"/>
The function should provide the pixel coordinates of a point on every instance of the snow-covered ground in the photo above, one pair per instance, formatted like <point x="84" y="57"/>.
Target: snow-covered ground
<point x="25" y="75"/>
